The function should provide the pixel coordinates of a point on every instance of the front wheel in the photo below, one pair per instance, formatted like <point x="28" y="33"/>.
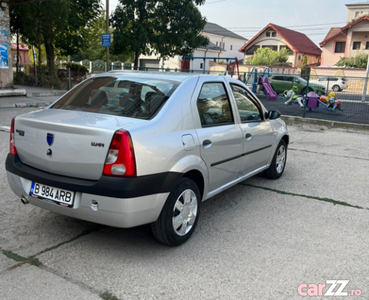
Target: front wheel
<point x="278" y="164"/>
<point x="180" y="214"/>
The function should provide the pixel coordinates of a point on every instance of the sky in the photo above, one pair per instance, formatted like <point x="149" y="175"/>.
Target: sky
<point x="247" y="17"/>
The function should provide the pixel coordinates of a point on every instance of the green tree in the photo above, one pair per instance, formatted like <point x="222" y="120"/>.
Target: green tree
<point x="268" y="57"/>
<point x="167" y="27"/>
<point x="58" y="25"/>
<point x="92" y="49"/>
<point x="304" y="68"/>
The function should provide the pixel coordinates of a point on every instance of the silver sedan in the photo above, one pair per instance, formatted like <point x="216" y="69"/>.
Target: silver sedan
<point x="132" y="148"/>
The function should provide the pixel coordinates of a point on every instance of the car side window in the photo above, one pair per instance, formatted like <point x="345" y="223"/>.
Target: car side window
<point x="213" y="105"/>
<point x="247" y="108"/>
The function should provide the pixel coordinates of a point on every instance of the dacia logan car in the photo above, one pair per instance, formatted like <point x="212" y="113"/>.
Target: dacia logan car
<point x="130" y="148"/>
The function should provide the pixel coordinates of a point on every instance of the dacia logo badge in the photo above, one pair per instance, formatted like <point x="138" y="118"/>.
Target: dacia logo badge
<point x="50" y="139"/>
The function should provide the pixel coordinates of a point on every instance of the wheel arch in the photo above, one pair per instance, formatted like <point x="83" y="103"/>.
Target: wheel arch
<point x="197" y="177"/>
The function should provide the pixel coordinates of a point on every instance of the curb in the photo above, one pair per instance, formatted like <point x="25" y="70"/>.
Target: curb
<point x="12" y="93"/>
<point x="5" y="128"/>
<point x="294" y="120"/>
<point x="23" y="105"/>
<point x="46" y="94"/>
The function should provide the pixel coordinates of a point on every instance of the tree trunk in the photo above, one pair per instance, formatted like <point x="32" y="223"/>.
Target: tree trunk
<point x="49" y="49"/>
<point x="136" y="61"/>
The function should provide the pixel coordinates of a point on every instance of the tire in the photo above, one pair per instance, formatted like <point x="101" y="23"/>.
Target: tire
<point x="278" y="164"/>
<point x="179" y="216"/>
<point x="336" y="88"/>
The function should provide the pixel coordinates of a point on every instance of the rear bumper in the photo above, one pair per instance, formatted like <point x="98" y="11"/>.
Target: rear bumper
<point x="111" y="211"/>
<point x="118" y="202"/>
<point x="108" y="186"/>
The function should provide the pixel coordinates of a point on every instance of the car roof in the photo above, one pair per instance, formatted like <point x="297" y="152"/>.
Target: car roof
<point x="161" y="75"/>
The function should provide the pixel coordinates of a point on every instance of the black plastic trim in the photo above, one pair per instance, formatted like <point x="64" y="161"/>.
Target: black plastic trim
<point x="109" y="186"/>
<point x="238" y="156"/>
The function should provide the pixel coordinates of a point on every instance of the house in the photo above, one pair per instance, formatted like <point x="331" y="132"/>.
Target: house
<point x="277" y="38"/>
<point x="23" y="55"/>
<point x="223" y="43"/>
<point x="347" y="41"/>
<point x="357" y="10"/>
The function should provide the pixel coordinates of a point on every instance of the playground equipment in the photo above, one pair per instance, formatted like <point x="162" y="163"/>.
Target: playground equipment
<point x="291" y="96"/>
<point x="313" y="100"/>
<point x="264" y="80"/>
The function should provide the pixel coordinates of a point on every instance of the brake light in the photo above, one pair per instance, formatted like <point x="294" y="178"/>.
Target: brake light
<point x="120" y="160"/>
<point x="12" y="149"/>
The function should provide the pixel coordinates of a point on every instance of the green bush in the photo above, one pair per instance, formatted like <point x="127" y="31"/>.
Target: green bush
<point x="359" y="61"/>
<point x="80" y="70"/>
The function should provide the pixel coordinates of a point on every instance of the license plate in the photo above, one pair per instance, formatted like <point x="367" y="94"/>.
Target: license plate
<point x="60" y="196"/>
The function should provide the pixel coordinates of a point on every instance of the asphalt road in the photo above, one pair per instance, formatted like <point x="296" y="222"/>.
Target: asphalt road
<point x="261" y="239"/>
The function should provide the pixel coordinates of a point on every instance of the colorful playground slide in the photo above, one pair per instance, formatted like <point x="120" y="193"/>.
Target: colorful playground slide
<point x="272" y="95"/>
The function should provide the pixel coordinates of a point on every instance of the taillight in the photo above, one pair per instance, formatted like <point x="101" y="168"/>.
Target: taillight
<point x="12" y="148"/>
<point x="121" y="157"/>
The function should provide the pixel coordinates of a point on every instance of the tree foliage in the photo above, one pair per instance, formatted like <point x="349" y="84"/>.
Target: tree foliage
<point x="58" y="25"/>
<point x="268" y="57"/>
<point x="358" y="61"/>
<point x="167" y="27"/>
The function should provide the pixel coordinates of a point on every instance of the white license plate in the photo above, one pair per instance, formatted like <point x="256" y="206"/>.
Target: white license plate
<point x="62" y="197"/>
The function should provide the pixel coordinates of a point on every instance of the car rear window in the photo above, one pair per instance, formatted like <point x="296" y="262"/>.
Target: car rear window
<point x="130" y="97"/>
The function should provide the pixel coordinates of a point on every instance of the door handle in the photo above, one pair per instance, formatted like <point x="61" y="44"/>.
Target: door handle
<point x="206" y="143"/>
<point x="248" y="136"/>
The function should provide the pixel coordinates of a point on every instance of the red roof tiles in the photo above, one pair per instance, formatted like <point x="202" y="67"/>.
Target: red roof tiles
<point x="298" y="41"/>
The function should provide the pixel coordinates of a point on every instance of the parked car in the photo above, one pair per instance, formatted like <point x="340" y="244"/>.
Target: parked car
<point x="281" y="83"/>
<point x="151" y="156"/>
<point x="336" y="84"/>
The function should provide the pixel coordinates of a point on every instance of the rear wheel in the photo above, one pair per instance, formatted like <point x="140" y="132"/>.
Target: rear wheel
<point x="278" y="163"/>
<point x="336" y="88"/>
<point x="180" y="214"/>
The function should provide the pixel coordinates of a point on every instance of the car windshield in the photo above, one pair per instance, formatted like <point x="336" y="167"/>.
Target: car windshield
<point x="130" y="97"/>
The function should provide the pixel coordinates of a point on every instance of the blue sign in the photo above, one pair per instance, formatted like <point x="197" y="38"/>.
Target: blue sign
<point x="105" y="39"/>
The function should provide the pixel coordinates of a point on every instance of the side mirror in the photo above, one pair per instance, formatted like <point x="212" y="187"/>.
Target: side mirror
<point x="272" y="114"/>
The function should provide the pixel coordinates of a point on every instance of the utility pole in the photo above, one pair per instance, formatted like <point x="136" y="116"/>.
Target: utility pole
<point x="107" y="31"/>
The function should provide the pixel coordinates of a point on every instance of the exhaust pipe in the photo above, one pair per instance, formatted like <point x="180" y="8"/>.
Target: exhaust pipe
<point x="24" y="200"/>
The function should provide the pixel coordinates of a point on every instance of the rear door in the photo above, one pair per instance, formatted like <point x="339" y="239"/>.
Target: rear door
<point x="220" y="137"/>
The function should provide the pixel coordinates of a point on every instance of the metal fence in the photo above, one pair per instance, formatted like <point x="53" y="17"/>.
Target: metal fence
<point x="353" y="100"/>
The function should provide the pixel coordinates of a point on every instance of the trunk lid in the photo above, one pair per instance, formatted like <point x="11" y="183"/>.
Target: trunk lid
<point x="69" y="143"/>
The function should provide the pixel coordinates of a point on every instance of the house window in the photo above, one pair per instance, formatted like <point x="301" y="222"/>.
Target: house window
<point x="271" y="33"/>
<point x="340" y="47"/>
<point x="356" y="46"/>
<point x="201" y="65"/>
<point x="216" y="44"/>
<point x="14" y="57"/>
<point x="223" y="45"/>
<point x="274" y="48"/>
<point x="367" y="46"/>
<point x="231" y="47"/>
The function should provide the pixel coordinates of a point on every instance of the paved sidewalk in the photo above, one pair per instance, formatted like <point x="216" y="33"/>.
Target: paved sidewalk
<point x="28" y="96"/>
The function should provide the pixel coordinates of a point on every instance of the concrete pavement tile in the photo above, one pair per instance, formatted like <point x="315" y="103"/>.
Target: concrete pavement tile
<point x="32" y="283"/>
<point x="248" y="242"/>
<point x="340" y="173"/>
